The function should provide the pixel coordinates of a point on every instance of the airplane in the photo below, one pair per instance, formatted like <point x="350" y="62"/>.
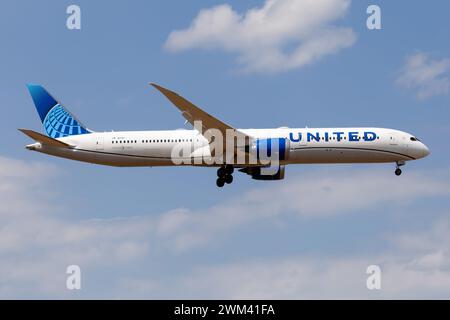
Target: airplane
<point x="67" y="137"/>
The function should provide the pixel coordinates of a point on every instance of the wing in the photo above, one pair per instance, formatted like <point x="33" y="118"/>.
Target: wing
<point x="194" y="114"/>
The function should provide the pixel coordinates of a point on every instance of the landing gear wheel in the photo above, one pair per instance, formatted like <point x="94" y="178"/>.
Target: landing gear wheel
<point x="228" y="179"/>
<point x="220" y="182"/>
<point x="229" y="169"/>
<point x="398" y="171"/>
<point x="224" y="175"/>
<point x="221" y="172"/>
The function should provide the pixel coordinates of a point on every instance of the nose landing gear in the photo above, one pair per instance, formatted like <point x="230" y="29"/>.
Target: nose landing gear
<point x="224" y="175"/>
<point x="398" y="171"/>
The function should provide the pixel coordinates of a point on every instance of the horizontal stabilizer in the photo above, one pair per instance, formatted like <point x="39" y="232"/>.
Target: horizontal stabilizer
<point x="45" y="140"/>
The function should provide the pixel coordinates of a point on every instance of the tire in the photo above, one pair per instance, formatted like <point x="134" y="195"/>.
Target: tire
<point x="221" y="172"/>
<point x="220" y="182"/>
<point x="229" y="169"/>
<point x="398" y="171"/>
<point x="228" y="178"/>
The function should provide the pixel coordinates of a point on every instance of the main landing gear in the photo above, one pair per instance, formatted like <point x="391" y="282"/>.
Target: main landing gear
<point x="398" y="171"/>
<point x="224" y="175"/>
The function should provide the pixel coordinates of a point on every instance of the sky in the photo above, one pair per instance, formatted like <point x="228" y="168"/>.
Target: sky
<point x="149" y="233"/>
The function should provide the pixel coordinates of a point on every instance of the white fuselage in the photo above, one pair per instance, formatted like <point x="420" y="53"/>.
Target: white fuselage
<point x="306" y="145"/>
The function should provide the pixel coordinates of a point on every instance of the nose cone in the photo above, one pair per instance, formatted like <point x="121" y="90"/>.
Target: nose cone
<point x="425" y="150"/>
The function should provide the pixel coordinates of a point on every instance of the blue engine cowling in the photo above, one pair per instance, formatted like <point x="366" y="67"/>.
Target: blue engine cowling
<point x="272" y="148"/>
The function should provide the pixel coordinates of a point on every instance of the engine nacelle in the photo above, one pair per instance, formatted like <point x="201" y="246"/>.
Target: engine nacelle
<point x="275" y="149"/>
<point x="265" y="173"/>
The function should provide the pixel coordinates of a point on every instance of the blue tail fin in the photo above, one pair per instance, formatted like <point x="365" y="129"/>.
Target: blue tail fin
<point x="57" y="121"/>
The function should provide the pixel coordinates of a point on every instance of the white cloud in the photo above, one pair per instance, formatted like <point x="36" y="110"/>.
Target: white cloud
<point x="409" y="270"/>
<point x="38" y="240"/>
<point x="301" y="196"/>
<point x="19" y="179"/>
<point x="37" y="243"/>
<point x="416" y="264"/>
<point x="280" y="35"/>
<point x="319" y="277"/>
<point x="427" y="77"/>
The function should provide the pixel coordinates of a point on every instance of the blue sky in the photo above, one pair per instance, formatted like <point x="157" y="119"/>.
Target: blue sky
<point x="169" y="232"/>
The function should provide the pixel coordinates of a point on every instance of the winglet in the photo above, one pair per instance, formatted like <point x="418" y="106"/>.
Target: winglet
<point x="186" y="107"/>
<point x="158" y="87"/>
<point x="45" y="140"/>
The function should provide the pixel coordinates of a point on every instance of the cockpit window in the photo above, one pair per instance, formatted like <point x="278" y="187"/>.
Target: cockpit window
<point x="414" y="139"/>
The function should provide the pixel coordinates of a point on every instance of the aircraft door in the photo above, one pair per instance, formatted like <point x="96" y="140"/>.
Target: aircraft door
<point x="392" y="139"/>
<point x="99" y="141"/>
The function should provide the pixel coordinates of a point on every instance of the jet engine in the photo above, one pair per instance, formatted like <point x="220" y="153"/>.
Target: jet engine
<point x="265" y="173"/>
<point x="275" y="149"/>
